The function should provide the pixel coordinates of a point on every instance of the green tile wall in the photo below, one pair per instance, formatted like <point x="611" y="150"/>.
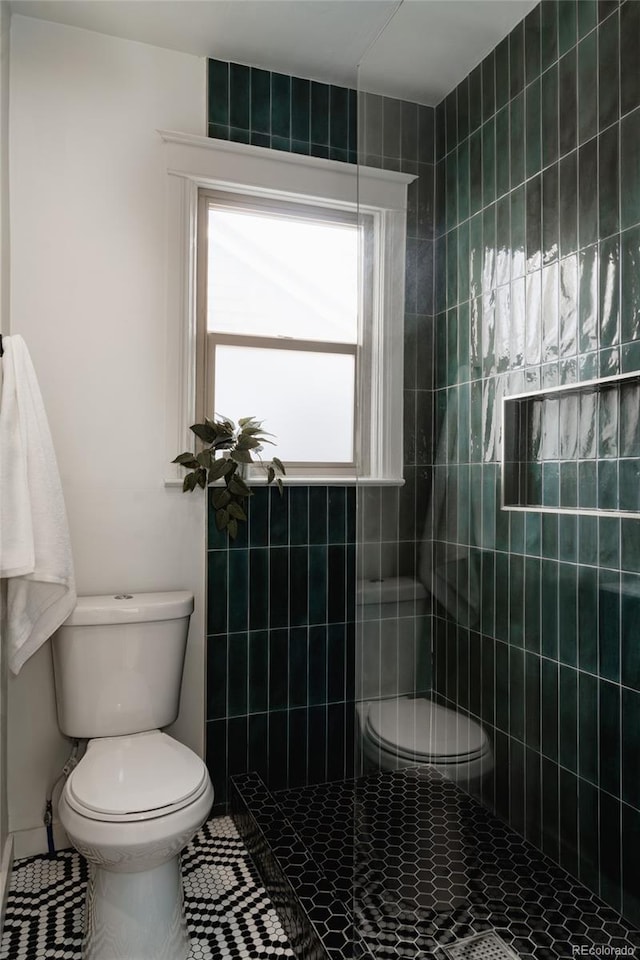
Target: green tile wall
<point x="537" y="284"/>
<point x="281" y="600"/>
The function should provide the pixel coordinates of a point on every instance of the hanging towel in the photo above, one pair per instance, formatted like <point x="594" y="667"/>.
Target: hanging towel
<point x="35" y="548"/>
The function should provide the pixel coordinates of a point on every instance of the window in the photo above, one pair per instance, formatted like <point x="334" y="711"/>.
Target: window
<point x="288" y="304"/>
<point x="279" y="299"/>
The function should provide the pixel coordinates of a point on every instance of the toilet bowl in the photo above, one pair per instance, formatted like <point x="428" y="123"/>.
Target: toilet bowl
<point x="417" y="732"/>
<point x="137" y="796"/>
<point x="399" y="725"/>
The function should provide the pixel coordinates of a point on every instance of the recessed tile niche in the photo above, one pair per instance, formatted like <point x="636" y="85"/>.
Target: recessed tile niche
<point x="574" y="448"/>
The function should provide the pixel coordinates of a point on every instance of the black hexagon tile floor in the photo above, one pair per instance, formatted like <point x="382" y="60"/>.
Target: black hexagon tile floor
<point x="228" y="912"/>
<point x="404" y="864"/>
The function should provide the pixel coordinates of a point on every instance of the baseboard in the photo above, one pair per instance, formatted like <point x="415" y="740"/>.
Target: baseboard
<point x="5" y="877"/>
<point x="30" y="843"/>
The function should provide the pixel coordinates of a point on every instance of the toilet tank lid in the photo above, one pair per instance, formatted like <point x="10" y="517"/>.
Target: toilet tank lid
<point x="131" y="608"/>
<point x="390" y="590"/>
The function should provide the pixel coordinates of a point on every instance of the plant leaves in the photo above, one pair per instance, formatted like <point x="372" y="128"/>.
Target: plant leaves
<point x="239" y="487"/>
<point x="232" y="527"/>
<point x="189" y="482"/>
<point x="247" y="443"/>
<point x="204" y="458"/>
<point x="201" y="477"/>
<point x="235" y="510"/>
<point x="244" y="421"/>
<point x="221" y="498"/>
<point x="241" y="456"/>
<point x="279" y="464"/>
<point x="219" y="468"/>
<point x="204" y="432"/>
<point x="186" y="460"/>
<point x="270" y="474"/>
<point x="222" y="519"/>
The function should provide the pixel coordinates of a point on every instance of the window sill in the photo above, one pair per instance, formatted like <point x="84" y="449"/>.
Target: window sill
<point x="336" y="481"/>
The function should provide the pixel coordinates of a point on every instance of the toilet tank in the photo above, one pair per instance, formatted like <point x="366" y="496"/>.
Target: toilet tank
<point x="391" y="644"/>
<point x="118" y="663"/>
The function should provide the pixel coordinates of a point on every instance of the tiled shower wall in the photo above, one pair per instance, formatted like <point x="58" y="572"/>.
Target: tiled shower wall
<point x="281" y="607"/>
<point x="538" y="284"/>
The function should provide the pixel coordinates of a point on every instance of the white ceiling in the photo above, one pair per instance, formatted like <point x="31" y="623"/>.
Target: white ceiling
<point x="413" y="49"/>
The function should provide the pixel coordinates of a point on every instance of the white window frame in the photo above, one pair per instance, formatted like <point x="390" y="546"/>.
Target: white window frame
<point x="194" y="163"/>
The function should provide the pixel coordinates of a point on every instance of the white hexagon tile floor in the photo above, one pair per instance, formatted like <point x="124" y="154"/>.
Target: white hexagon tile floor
<point x="229" y="914"/>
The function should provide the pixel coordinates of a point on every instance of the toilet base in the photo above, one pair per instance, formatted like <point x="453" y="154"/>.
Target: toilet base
<point x="135" y="916"/>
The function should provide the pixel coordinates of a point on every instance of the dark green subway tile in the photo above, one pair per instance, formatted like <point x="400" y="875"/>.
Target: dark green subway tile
<point x="280" y="105"/>
<point x="278" y="587"/>
<point x="568" y="705"/>
<point x="534" y="223"/>
<point x="218" y="131"/>
<point x="533" y="701"/>
<point x="216" y="677"/>
<point x="475" y="98"/>
<point x="258" y="671"/>
<point x="610" y="850"/>
<point x="630" y="746"/>
<point x="462" y="108"/>
<point x="239" y="111"/>
<point x="630" y="628"/>
<point x="440" y="140"/>
<point x="588" y="619"/>
<point x="317" y="673"/>
<point x="260" y="139"/>
<point x="488" y="162"/>
<point x="516" y="693"/>
<point x="587" y="88"/>
<point x="588" y="325"/>
<point x="317" y="515"/>
<point x="258" y="589"/>
<point x="550" y="808"/>
<point x="550" y="225"/>
<point x="629" y="45"/>
<point x="463" y="181"/>
<point x="409" y="130"/>
<point x="217" y="589"/>
<point x="588" y="815"/>
<point x="548" y="33"/>
<point x="517" y="140"/>
<point x="609" y="311"/>
<point x="218" y="90"/>
<point x="568" y="614"/>
<point x="475" y="172"/>
<point x="629" y="485"/>
<point x="587" y="16"/>
<point x="278" y="669"/>
<point x="260" y="101"/>
<point x="451" y="190"/>
<point x="237" y="677"/>
<point x="352" y="129"/>
<point x="516" y="59"/>
<point x="300" y="110"/>
<point x="318" y="584"/>
<point x="609" y="737"/>
<point x="277" y="737"/>
<point x="549" y="109"/>
<point x="568" y="819"/>
<point x="587" y="194"/>
<point x="630" y="854"/>
<point x="503" y="177"/>
<point x="238" y="135"/>
<point x="549" y="598"/>
<point x="567" y="25"/>
<point x="298" y="586"/>
<point x="518" y="232"/>
<point x="608" y="72"/>
<point x="608" y="165"/>
<point x="502" y="574"/>
<point x="390" y="127"/>
<point x="488" y="86"/>
<point x="630" y="170"/>
<point x="502" y="73"/>
<point x="630" y="545"/>
<point x="549" y="709"/>
<point x="608" y="484"/>
<point x="339" y="118"/>
<point x="630" y="292"/>
<point x="533" y="128"/>
<point x="568" y="103"/>
<point x="451" y="121"/>
<point x="588" y="720"/>
<point x="238" y="597"/>
<point x="532" y="796"/>
<point x="532" y="44"/>
<point x="319" y="114"/>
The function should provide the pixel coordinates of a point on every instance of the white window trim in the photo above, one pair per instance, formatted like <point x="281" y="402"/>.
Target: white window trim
<point x="192" y="162"/>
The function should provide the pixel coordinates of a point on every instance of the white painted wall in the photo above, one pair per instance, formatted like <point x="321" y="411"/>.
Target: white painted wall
<point x="88" y="293"/>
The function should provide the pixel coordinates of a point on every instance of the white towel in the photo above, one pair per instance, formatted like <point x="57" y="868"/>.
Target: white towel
<point x="35" y="547"/>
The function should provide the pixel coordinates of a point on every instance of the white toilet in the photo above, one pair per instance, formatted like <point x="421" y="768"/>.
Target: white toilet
<point x="399" y="728"/>
<point x="137" y="796"/>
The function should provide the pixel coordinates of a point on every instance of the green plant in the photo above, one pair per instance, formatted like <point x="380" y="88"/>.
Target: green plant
<point x="237" y="444"/>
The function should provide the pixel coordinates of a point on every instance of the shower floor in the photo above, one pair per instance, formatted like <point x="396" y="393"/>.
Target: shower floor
<point x="428" y="866"/>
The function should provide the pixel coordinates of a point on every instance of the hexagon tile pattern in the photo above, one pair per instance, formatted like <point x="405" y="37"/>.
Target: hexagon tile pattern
<point x="228" y="912"/>
<point x="399" y="864"/>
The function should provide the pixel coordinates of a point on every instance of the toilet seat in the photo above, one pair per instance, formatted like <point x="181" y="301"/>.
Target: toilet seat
<point x="139" y="777"/>
<point x="419" y="730"/>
